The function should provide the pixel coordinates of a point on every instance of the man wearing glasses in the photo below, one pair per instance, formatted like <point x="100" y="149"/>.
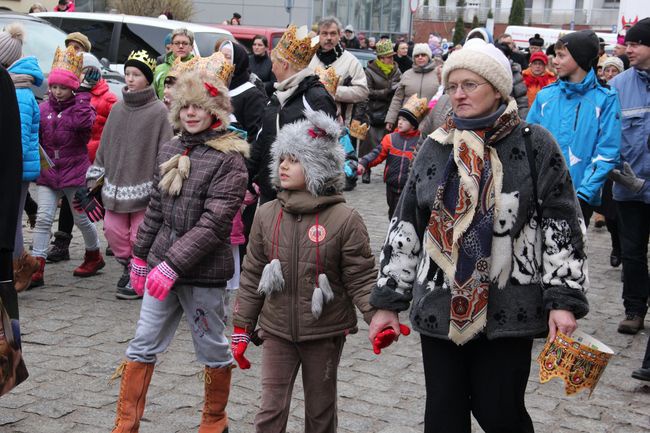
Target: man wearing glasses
<point x="182" y="46"/>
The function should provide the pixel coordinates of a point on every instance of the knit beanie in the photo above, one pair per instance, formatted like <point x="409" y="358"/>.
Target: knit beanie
<point x="485" y="60"/>
<point x="640" y="33"/>
<point x="314" y="141"/>
<point x="583" y="47"/>
<point x="422" y="48"/>
<point x="143" y="61"/>
<point x="11" y="44"/>
<point x="539" y="56"/>
<point x="614" y="61"/>
<point x="536" y="41"/>
<point x="79" y="38"/>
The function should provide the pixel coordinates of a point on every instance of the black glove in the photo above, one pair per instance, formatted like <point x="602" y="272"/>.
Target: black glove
<point x="91" y="76"/>
<point x="86" y="201"/>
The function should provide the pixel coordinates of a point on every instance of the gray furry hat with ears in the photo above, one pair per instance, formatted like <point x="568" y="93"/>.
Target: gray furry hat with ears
<point x="314" y="142"/>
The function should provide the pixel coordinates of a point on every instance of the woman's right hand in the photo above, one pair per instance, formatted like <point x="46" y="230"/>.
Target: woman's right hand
<point x="381" y="320"/>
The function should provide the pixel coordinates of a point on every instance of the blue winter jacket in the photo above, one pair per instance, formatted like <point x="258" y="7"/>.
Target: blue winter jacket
<point x="30" y="116"/>
<point x="585" y="119"/>
<point x="633" y="87"/>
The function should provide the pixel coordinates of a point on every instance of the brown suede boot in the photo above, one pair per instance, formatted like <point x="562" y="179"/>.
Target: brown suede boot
<point x="133" y="393"/>
<point x="217" y="389"/>
<point x="24" y="268"/>
<point x="93" y="262"/>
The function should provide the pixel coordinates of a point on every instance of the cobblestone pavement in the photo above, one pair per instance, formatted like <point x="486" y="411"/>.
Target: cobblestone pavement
<point x="75" y="333"/>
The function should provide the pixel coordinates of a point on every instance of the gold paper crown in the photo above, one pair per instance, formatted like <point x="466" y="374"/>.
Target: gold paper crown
<point x="296" y="48"/>
<point x="418" y="107"/>
<point x="68" y="60"/>
<point x="358" y="130"/>
<point x="179" y="67"/>
<point x="215" y="65"/>
<point x="578" y="360"/>
<point x="329" y="78"/>
<point x="143" y="57"/>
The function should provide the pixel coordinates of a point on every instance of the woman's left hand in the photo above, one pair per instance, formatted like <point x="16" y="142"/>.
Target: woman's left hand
<point x="561" y="320"/>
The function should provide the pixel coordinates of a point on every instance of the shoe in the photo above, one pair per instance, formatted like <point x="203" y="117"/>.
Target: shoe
<point x="365" y="177"/>
<point x="127" y="293"/>
<point x="217" y="390"/>
<point x="124" y="278"/>
<point x="38" y="276"/>
<point x="615" y="260"/>
<point x="136" y="377"/>
<point x="109" y="252"/>
<point x="24" y="268"/>
<point x="93" y="262"/>
<point x="599" y="220"/>
<point x="632" y="324"/>
<point x="642" y="374"/>
<point x="60" y="249"/>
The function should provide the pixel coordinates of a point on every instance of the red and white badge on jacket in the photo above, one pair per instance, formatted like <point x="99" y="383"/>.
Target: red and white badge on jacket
<point x="317" y="233"/>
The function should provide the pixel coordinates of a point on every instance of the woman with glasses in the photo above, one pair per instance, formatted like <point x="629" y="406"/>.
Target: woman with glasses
<point x="182" y="47"/>
<point x="487" y="242"/>
<point x="421" y="79"/>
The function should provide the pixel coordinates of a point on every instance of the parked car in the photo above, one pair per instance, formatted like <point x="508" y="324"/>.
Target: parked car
<point x="41" y="41"/>
<point x="114" y="36"/>
<point x="364" y="56"/>
<point x="246" y="34"/>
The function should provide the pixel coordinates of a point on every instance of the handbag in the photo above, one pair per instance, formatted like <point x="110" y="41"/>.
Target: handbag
<point x="12" y="366"/>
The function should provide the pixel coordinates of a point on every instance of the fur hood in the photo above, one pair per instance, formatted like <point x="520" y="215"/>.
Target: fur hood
<point x="209" y="93"/>
<point x="314" y="142"/>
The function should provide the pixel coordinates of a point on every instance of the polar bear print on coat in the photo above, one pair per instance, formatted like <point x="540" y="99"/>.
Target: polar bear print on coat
<point x="399" y="257"/>
<point x="527" y="253"/>
<point x="501" y="256"/>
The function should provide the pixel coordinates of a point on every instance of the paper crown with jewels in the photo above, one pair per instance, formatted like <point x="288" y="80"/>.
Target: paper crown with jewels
<point x="358" y="130"/>
<point x="179" y="67"/>
<point x="215" y="65"/>
<point x="68" y="60"/>
<point x="296" y="47"/>
<point x="414" y="109"/>
<point x="329" y="78"/>
<point x="143" y="57"/>
<point x="579" y="361"/>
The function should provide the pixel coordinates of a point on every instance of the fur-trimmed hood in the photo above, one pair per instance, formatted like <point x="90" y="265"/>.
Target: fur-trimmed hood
<point x="314" y="142"/>
<point x="210" y="94"/>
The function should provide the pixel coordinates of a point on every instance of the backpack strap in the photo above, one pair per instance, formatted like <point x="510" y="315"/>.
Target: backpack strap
<point x="526" y="132"/>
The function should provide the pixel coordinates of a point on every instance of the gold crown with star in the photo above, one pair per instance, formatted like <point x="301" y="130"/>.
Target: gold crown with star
<point x="68" y="59"/>
<point x="328" y="78"/>
<point x="142" y="56"/>
<point x="358" y="130"/>
<point x="296" y="47"/>
<point x="215" y="65"/>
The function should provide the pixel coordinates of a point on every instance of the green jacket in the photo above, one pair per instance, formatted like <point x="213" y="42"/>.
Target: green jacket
<point x="162" y="70"/>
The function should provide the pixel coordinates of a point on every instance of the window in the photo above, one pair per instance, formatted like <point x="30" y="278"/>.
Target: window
<point x="42" y="41"/>
<point x="136" y="37"/>
<point x="99" y="33"/>
<point x="205" y="41"/>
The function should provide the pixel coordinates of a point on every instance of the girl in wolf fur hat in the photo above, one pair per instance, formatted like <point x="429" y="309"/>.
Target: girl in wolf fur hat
<point x="182" y="253"/>
<point x="308" y="263"/>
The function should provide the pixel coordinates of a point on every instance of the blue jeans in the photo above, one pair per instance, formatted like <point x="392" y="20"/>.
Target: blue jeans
<point x="634" y="231"/>
<point x="204" y="311"/>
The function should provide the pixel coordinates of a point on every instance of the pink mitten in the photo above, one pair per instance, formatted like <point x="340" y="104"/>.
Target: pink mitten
<point x="138" y="275"/>
<point x="160" y="281"/>
<point x="386" y="337"/>
<point x="239" y="342"/>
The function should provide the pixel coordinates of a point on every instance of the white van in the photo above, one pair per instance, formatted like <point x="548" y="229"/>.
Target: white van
<point x="114" y="36"/>
<point x="521" y="34"/>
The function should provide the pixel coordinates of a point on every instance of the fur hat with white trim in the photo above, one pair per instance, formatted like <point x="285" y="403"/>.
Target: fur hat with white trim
<point x="485" y="60"/>
<point x="314" y="142"/>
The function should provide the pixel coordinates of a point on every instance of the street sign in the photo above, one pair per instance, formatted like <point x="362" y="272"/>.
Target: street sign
<point x="414" y="5"/>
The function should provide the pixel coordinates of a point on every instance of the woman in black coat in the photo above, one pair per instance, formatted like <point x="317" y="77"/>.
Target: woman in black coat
<point x="260" y="63"/>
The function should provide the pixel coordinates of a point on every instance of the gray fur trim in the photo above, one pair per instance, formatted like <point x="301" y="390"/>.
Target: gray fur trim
<point x="324" y="285"/>
<point x="322" y="158"/>
<point x="272" y="280"/>
<point x="322" y="295"/>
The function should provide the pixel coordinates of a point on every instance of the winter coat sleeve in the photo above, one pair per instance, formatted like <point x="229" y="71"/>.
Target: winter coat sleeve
<point x="83" y="113"/>
<point x="396" y="103"/>
<point x="607" y="152"/>
<point x="252" y="114"/>
<point x="357" y="90"/>
<point x="398" y="261"/>
<point x="378" y="154"/>
<point x="96" y="169"/>
<point x="224" y="198"/>
<point x="319" y="99"/>
<point x="358" y="264"/>
<point x="564" y="263"/>
<point x="533" y="115"/>
<point x="249" y="302"/>
<point x="520" y="91"/>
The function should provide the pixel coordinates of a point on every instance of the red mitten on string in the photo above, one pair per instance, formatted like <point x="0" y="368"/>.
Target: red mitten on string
<point x="239" y="342"/>
<point x="386" y="337"/>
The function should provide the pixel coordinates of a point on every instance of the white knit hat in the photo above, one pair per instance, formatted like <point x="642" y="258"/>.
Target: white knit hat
<point x="11" y="44"/>
<point x="485" y="60"/>
<point x="422" y="49"/>
<point x="614" y="61"/>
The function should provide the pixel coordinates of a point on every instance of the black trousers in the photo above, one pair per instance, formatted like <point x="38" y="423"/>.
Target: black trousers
<point x="66" y="220"/>
<point x="486" y="378"/>
<point x="392" y="197"/>
<point x="587" y="211"/>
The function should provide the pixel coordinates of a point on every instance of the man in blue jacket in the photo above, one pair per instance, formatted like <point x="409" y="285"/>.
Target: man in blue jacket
<point x="633" y="87"/>
<point x="582" y="115"/>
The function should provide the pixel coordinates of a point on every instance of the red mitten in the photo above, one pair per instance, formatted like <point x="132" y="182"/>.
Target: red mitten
<point x="138" y="275"/>
<point x="386" y="337"/>
<point x="239" y="343"/>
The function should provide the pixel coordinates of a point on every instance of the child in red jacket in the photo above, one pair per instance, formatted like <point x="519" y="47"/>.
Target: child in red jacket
<point x="397" y="148"/>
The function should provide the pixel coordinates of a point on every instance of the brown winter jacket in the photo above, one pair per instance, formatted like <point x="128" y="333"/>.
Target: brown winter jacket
<point x="381" y="88"/>
<point x="191" y="231"/>
<point x="345" y="257"/>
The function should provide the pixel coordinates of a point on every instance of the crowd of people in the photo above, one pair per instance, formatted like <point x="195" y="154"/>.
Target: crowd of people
<point x="224" y="175"/>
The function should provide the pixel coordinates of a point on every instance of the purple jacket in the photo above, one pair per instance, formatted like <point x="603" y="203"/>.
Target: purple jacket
<point x="64" y="133"/>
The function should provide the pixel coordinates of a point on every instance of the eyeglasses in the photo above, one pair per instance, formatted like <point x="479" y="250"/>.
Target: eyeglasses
<point x="421" y="55"/>
<point x="466" y="86"/>
<point x="181" y="44"/>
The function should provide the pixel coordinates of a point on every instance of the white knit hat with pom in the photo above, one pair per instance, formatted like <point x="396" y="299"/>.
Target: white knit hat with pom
<point x="11" y="44"/>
